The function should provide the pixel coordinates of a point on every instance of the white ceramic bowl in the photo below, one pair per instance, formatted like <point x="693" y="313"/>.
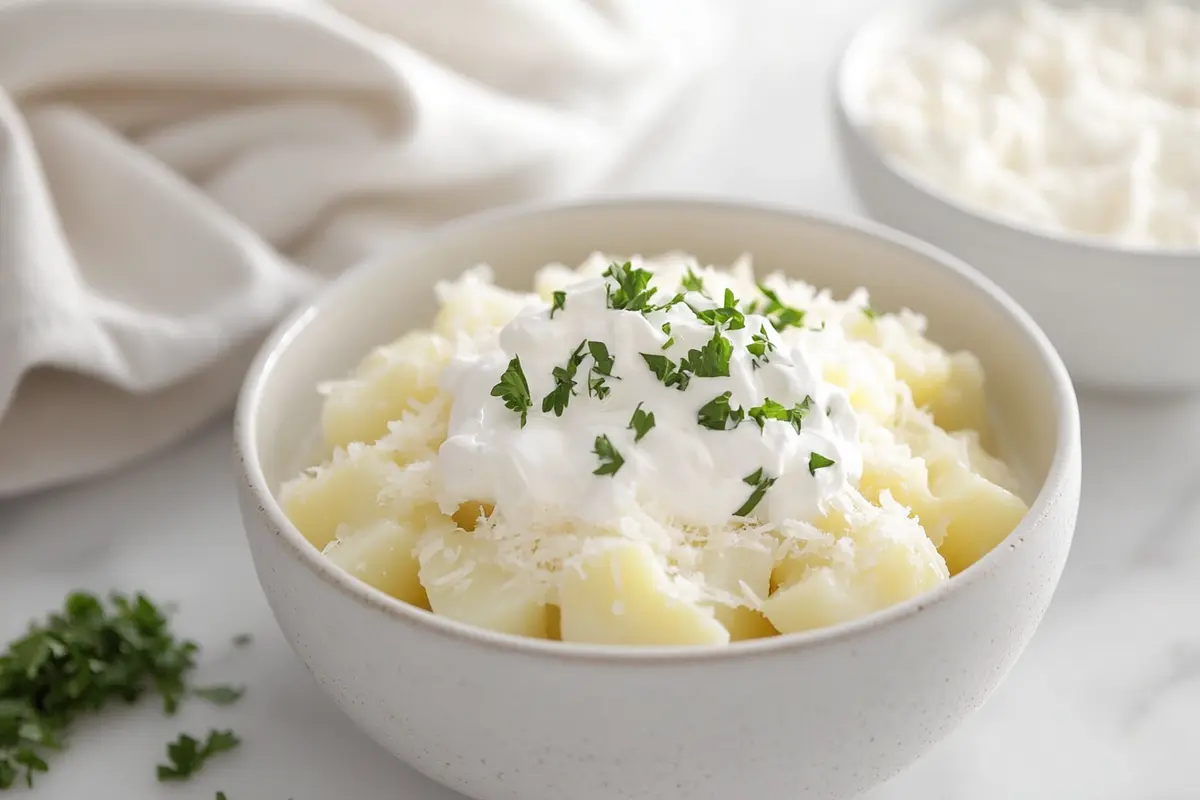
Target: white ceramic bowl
<point x="1122" y="318"/>
<point x="823" y="714"/>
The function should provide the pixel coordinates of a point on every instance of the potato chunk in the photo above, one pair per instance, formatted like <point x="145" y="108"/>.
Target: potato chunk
<point x="727" y="570"/>
<point x="390" y="380"/>
<point x="381" y="555"/>
<point x="624" y="597"/>
<point x="463" y="584"/>
<point x="977" y="515"/>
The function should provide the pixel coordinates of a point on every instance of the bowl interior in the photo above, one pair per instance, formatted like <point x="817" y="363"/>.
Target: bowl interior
<point x="379" y="301"/>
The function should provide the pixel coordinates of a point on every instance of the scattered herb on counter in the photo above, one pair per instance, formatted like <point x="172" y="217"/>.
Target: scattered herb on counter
<point x="641" y="423"/>
<point x="610" y="459"/>
<point x="817" y="461"/>
<point x="187" y="755"/>
<point x="761" y="484"/>
<point x="513" y="389"/>
<point x="76" y="661"/>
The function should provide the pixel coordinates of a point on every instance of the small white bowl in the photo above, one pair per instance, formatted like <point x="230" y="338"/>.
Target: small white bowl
<point x="822" y="714"/>
<point x="1121" y="317"/>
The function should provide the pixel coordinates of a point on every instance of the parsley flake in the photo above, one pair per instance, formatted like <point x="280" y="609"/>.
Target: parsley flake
<point x="773" y="410"/>
<point x="514" y="390"/>
<point x="610" y="459"/>
<point x="641" y="423"/>
<point x="817" y="461"/>
<point x="601" y="370"/>
<point x="760" y="345"/>
<point x="632" y="291"/>
<point x="718" y="415"/>
<point x="780" y="314"/>
<point x="761" y="484"/>
<point x="187" y="755"/>
<point x="564" y="383"/>
<point x="728" y="315"/>
<point x="666" y="370"/>
<point x="692" y="282"/>
<point x="559" y="303"/>
<point x="870" y="313"/>
<point x="666" y="328"/>
<point x="710" y="361"/>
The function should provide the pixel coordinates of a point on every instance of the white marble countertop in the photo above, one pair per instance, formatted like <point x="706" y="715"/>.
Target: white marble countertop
<point x="1103" y="706"/>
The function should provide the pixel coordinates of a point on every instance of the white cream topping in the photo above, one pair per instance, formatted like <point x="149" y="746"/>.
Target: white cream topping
<point x="680" y="472"/>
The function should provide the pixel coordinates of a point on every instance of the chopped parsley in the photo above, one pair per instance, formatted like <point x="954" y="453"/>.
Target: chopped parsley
<point x="632" y="291"/>
<point x="870" y="313"/>
<point x="666" y="329"/>
<point x="219" y="695"/>
<point x="760" y="345"/>
<point x="718" y="415"/>
<point x="692" y="282"/>
<point x="773" y="410"/>
<point x="610" y="459"/>
<point x="514" y="390"/>
<point x="187" y="755"/>
<point x="564" y="383"/>
<point x="710" y="361"/>
<point x="761" y="484"/>
<point x="601" y="370"/>
<point x="641" y="423"/>
<point x="779" y="313"/>
<point x="728" y="314"/>
<point x="667" y="371"/>
<point x="80" y="659"/>
<point x="559" y="303"/>
<point x="817" y="461"/>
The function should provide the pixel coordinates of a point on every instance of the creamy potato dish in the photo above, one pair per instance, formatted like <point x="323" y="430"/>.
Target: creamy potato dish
<point x="656" y="452"/>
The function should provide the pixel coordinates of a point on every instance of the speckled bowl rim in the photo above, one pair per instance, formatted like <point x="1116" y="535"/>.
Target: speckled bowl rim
<point x="1066" y="454"/>
<point x="1142" y="256"/>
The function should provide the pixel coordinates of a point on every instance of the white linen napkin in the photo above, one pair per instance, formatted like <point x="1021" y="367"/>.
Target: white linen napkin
<point x="176" y="174"/>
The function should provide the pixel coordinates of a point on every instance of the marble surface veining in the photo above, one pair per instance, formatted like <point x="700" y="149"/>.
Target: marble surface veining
<point x="1103" y="706"/>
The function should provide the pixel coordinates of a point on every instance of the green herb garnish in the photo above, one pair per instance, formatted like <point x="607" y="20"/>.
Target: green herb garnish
<point x="666" y="370"/>
<point x="77" y="661"/>
<point x="610" y="459"/>
<point x="632" y="291"/>
<point x="718" y="415"/>
<point x="759" y="346"/>
<point x="692" y="282"/>
<point x="514" y="389"/>
<point x="187" y="755"/>
<point x="779" y="313"/>
<point x="870" y="313"/>
<point x="559" y="303"/>
<point x="641" y="423"/>
<point x="601" y="370"/>
<point x="710" y="361"/>
<point x="773" y="410"/>
<point x="666" y="328"/>
<point x="219" y="695"/>
<point x="761" y="484"/>
<point x="564" y="383"/>
<point x="817" y="461"/>
<point x="728" y="315"/>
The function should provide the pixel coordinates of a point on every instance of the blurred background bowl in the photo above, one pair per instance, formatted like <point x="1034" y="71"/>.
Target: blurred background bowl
<point x="1120" y="317"/>
<point x="823" y="714"/>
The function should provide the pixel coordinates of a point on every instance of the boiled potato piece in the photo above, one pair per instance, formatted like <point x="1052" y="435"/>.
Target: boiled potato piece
<point x="462" y="584"/>
<point x="977" y="516"/>
<point x="727" y="569"/>
<point x="960" y="403"/>
<point x="907" y="479"/>
<point x="884" y="562"/>
<point x="870" y="387"/>
<point x="381" y="555"/>
<point x="345" y="491"/>
<point x="623" y="597"/>
<point x="985" y="463"/>
<point x="389" y="380"/>
<point x="476" y="306"/>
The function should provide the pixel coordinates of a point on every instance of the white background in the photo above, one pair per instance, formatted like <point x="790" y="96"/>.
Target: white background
<point x="1102" y="707"/>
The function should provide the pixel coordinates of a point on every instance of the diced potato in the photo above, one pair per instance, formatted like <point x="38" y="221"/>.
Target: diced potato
<point x="389" y="380"/>
<point x="623" y="597"/>
<point x="345" y="491"/>
<point x="985" y="463"/>
<point x="870" y="394"/>
<point x="960" y="403"/>
<point x="908" y="482"/>
<point x="727" y="570"/>
<point x="462" y="584"/>
<point x="473" y="305"/>
<point x="977" y="514"/>
<point x="889" y="560"/>
<point x="382" y="555"/>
